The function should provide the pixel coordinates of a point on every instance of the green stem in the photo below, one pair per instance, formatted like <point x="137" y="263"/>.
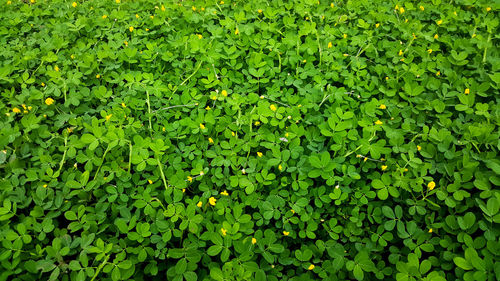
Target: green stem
<point x="100" y="267"/>
<point x="162" y="174"/>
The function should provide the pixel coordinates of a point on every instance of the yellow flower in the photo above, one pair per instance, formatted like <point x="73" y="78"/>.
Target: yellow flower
<point x="311" y="267"/>
<point x="431" y="185"/>
<point x="273" y="107"/>
<point x="163" y="129"/>
<point x="401" y="10"/>
<point x="72" y="57"/>
<point x="419" y="147"/>
<point x="32" y="1"/>
<point x="30" y="107"/>
<point x="474" y="35"/>
<point x="190" y="179"/>
<point x="406" y="169"/>
<point x="49" y="101"/>
<point x="377" y="25"/>
<point x="224" y="93"/>
<point x="24" y="106"/>
<point x="212" y="201"/>
<point x="430" y="230"/>
<point x="150" y="181"/>
<point x="386" y="78"/>
<point x="397" y="7"/>
<point x="117" y="1"/>
<point x="280" y="167"/>
<point x="108" y="117"/>
<point x="254" y="240"/>
<point x="98" y="76"/>
<point x="162" y="8"/>
<point x="104" y="16"/>
<point x="202" y="126"/>
<point x="488" y="9"/>
<point x="131" y="28"/>
<point x="43" y="84"/>
<point x="202" y="173"/>
<point x="330" y="44"/>
<point x="56" y="68"/>
<point x="123" y="105"/>
<point x="293" y="211"/>
<point x="183" y="190"/>
<point x="259" y="11"/>
<point x="345" y="36"/>
<point x="439" y="22"/>
<point x="45" y="185"/>
<point x="332" y="5"/>
<point x="199" y="204"/>
<point x="429" y="51"/>
<point x="210" y="140"/>
<point x="9" y="2"/>
<point x="214" y="97"/>
<point x="193" y="7"/>
<point x="259" y="154"/>
<point x="384" y="167"/>
<point x="70" y="130"/>
<point x="16" y="110"/>
<point x="152" y="17"/>
<point x="74" y="4"/>
<point x="414" y="36"/>
<point x="438" y="73"/>
<point x="224" y="193"/>
<point x="467" y="91"/>
<point x="207" y="108"/>
<point x="286" y="233"/>
<point x="382" y="106"/>
<point x="422" y="7"/>
<point x="125" y="42"/>
<point x="199" y="36"/>
<point x="257" y="123"/>
<point x="233" y="134"/>
<point x="224" y="232"/>
<point x="400" y="52"/>
<point x="436" y="36"/>
<point x="237" y="31"/>
<point x="378" y="122"/>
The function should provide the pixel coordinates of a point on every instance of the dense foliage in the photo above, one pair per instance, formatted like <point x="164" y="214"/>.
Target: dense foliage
<point x="249" y="140"/>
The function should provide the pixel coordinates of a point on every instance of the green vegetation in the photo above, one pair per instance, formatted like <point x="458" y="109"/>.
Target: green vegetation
<point x="249" y="140"/>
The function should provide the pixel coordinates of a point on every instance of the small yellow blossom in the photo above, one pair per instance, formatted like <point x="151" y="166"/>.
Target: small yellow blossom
<point x="233" y="134"/>
<point x="104" y="16"/>
<point x="332" y="5"/>
<point x="203" y="8"/>
<point x="202" y="173"/>
<point x="439" y="22"/>
<point x="259" y="11"/>
<point x="378" y="122"/>
<point x="190" y="179"/>
<point x="377" y="25"/>
<point x="293" y="211"/>
<point x="117" y="1"/>
<point x="345" y="36"/>
<point x="422" y="8"/>
<point x="286" y="233"/>
<point x="214" y="97"/>
<point x="397" y="7"/>
<point x="382" y="106"/>
<point x="125" y="42"/>
<point x="438" y="73"/>
<point x="183" y="190"/>
<point x="202" y="126"/>
<point x="384" y="167"/>
<point x="224" y="93"/>
<point x="162" y="8"/>
<point x="193" y="8"/>
<point x="224" y="232"/>
<point x="431" y="185"/>
<point x="386" y="78"/>
<point x="152" y="17"/>
<point x="273" y="107"/>
<point x="400" y="52"/>
<point x="430" y="230"/>
<point x="259" y="154"/>
<point x="150" y="181"/>
<point x="108" y="117"/>
<point x="210" y="140"/>
<point x="280" y="167"/>
<point x="136" y="16"/>
<point x="401" y="10"/>
<point x="131" y="28"/>
<point x="30" y="107"/>
<point x="212" y="201"/>
<point x="24" y="106"/>
<point x="474" y="35"/>
<point x="43" y="84"/>
<point x="199" y="204"/>
<point x="467" y="91"/>
<point x="74" y="4"/>
<point x="429" y="51"/>
<point x="207" y="108"/>
<point x="237" y="31"/>
<point x="414" y="36"/>
<point x="45" y="185"/>
<point x="330" y="44"/>
<point x="16" y="110"/>
<point x="163" y="129"/>
<point x="98" y="76"/>
<point x="311" y="267"/>
<point x="406" y="169"/>
<point x="56" y="68"/>
<point x="70" y="130"/>
<point x="224" y="193"/>
<point x="257" y="123"/>
<point x="123" y="104"/>
<point x="199" y="36"/>
<point x="419" y="147"/>
<point x="9" y="2"/>
<point x="436" y="36"/>
<point x="49" y="101"/>
<point x="254" y="240"/>
<point x="72" y="57"/>
<point x="488" y="9"/>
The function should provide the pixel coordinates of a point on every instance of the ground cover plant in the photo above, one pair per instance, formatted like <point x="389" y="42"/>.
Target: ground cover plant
<point x="249" y="140"/>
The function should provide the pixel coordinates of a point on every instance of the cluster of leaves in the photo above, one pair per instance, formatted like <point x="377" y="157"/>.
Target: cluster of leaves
<point x="249" y="140"/>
